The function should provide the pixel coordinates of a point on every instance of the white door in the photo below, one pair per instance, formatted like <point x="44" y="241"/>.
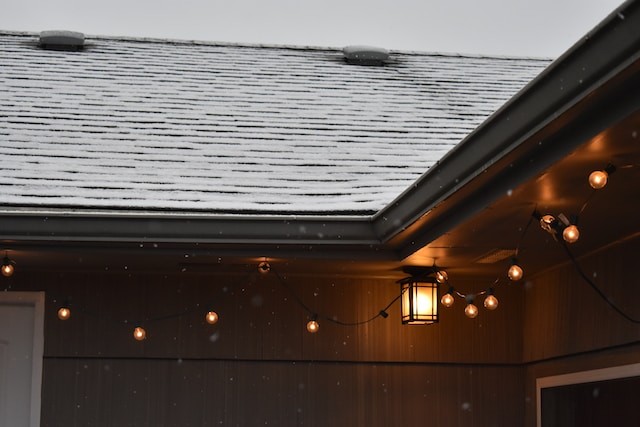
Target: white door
<point x="21" y="349"/>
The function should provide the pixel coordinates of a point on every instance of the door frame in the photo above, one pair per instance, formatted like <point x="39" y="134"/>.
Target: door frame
<point x="36" y="300"/>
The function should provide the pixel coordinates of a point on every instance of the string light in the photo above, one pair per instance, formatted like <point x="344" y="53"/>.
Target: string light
<point x="598" y="179"/>
<point x="442" y="276"/>
<point x="471" y="311"/>
<point x="7" y="266"/>
<point x="447" y="299"/>
<point x="211" y="317"/>
<point x="490" y="302"/>
<point x="64" y="313"/>
<point x="571" y="233"/>
<point x="515" y="272"/>
<point x="139" y="334"/>
<point x="264" y="267"/>
<point x="548" y="223"/>
<point x="313" y="326"/>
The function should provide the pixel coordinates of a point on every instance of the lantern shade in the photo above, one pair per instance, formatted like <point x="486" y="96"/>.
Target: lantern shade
<point x="419" y="300"/>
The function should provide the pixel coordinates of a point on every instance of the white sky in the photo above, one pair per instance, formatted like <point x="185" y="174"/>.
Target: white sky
<point x="541" y="28"/>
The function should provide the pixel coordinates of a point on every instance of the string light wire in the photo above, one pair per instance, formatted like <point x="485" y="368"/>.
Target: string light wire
<point x="314" y="313"/>
<point x="594" y="286"/>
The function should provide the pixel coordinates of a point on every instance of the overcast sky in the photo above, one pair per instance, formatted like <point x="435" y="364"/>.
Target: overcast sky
<point x="540" y="28"/>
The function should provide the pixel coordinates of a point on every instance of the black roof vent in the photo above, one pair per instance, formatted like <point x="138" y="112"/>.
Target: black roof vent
<point x="61" y="40"/>
<point x="365" y="55"/>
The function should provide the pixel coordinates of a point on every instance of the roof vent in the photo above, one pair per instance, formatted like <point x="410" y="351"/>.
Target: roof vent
<point x="61" y="40"/>
<point x="365" y="55"/>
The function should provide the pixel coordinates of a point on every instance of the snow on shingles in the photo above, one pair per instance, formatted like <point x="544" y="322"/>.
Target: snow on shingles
<point x="135" y="124"/>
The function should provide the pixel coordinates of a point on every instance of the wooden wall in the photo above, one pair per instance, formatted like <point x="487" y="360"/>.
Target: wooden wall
<point x="164" y="392"/>
<point x="258" y="365"/>
<point x="568" y="328"/>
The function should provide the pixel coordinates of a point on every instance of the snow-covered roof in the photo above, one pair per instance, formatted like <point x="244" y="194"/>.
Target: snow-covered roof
<point x="190" y="126"/>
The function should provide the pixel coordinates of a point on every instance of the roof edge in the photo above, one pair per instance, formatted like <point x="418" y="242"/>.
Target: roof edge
<point x="195" y="42"/>
<point x="608" y="49"/>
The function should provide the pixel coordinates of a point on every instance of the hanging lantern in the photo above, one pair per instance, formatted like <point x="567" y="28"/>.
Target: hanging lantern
<point x="419" y="300"/>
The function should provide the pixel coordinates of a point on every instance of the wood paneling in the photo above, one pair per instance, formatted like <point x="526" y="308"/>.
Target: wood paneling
<point x="563" y="315"/>
<point x="260" y="320"/>
<point x="163" y="392"/>
<point x="258" y="365"/>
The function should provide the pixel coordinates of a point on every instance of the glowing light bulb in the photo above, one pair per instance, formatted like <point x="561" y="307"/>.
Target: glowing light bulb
<point x="64" y="313"/>
<point x="211" y="317"/>
<point x="7" y="270"/>
<point x="515" y="272"/>
<point x="264" y="267"/>
<point x="139" y="333"/>
<point x="471" y="311"/>
<point x="598" y="179"/>
<point x="447" y="300"/>
<point x="571" y="234"/>
<point x="491" y="302"/>
<point x="7" y="267"/>
<point x="442" y="276"/>
<point x="312" y="326"/>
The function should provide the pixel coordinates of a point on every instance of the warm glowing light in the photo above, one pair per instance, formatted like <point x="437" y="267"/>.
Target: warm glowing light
<point x="7" y="267"/>
<point x="7" y="270"/>
<point x="598" y="179"/>
<point x="442" y="276"/>
<point x="571" y="234"/>
<point x="447" y="300"/>
<point x="211" y="317"/>
<point x="419" y="303"/>
<point x="64" y="313"/>
<point x="312" y="326"/>
<point x="264" y="267"/>
<point x="471" y="311"/>
<point x="491" y="302"/>
<point x="139" y="333"/>
<point x="515" y="272"/>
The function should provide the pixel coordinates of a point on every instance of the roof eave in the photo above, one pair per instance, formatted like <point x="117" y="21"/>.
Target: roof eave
<point x="588" y="66"/>
<point x="591" y="65"/>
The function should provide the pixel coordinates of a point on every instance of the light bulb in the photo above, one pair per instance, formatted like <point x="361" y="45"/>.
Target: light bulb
<point x="139" y="333"/>
<point x="312" y="326"/>
<point x="7" y="270"/>
<point x="64" y="313"/>
<point x="442" y="276"/>
<point x="491" y="302"/>
<point x="547" y="222"/>
<point x="471" y="311"/>
<point x="7" y="267"/>
<point x="515" y="272"/>
<point x="598" y="179"/>
<point x="211" y="317"/>
<point x="571" y="234"/>
<point x="447" y="300"/>
<point x="264" y="267"/>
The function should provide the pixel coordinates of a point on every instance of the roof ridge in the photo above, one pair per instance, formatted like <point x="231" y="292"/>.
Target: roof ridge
<point x="193" y="42"/>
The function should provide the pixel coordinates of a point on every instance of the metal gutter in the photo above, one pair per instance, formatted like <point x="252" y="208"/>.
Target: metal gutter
<point x="181" y="229"/>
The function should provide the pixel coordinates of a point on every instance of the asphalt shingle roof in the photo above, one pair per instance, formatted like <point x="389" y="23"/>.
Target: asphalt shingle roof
<point x="187" y="126"/>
